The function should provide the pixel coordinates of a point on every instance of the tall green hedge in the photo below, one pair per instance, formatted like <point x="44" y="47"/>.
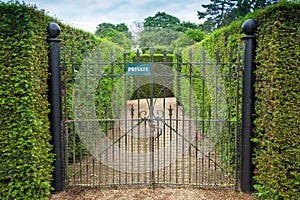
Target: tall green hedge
<point x="26" y="158"/>
<point x="277" y="106"/>
<point x="277" y="93"/>
<point x="25" y="167"/>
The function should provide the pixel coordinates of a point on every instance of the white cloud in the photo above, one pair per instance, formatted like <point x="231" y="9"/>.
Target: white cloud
<point x="88" y="14"/>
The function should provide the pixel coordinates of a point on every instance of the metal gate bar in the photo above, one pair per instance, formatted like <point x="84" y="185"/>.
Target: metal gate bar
<point x="200" y="134"/>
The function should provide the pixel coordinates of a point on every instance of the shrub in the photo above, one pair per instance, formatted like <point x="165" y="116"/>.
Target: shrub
<point x="25" y="168"/>
<point x="277" y="105"/>
<point x="277" y="86"/>
<point x="26" y="154"/>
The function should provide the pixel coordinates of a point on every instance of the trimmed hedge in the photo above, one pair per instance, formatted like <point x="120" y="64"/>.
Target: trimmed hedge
<point x="26" y="158"/>
<point x="25" y="167"/>
<point x="277" y="87"/>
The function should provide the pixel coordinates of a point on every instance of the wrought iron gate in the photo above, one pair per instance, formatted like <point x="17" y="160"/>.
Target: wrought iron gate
<point x="174" y="121"/>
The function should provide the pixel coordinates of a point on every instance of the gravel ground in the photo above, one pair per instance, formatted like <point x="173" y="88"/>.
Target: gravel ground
<point x="144" y="193"/>
<point x="164" y="193"/>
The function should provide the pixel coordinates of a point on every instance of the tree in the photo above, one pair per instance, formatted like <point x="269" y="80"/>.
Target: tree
<point x="107" y="30"/>
<point x="157" y="38"/>
<point x="196" y="34"/>
<point x="217" y="11"/>
<point x="221" y="13"/>
<point x="118" y="34"/>
<point x="121" y="39"/>
<point x="243" y="7"/>
<point x="183" y="26"/>
<point x="104" y="29"/>
<point x="188" y="38"/>
<point x="182" y="42"/>
<point x="122" y="27"/>
<point x="163" y="30"/>
<point x="161" y="20"/>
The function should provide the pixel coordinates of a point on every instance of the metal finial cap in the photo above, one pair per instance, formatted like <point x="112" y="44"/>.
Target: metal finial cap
<point x="249" y="27"/>
<point x="53" y="30"/>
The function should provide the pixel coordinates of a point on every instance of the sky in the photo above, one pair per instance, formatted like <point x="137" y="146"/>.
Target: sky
<point x="87" y="14"/>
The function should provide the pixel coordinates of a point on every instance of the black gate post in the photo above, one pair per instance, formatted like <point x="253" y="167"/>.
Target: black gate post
<point x="248" y="28"/>
<point x="55" y="116"/>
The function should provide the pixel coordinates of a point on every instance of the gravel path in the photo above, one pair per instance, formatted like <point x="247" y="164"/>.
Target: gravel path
<point x="150" y="194"/>
<point x="185" y="169"/>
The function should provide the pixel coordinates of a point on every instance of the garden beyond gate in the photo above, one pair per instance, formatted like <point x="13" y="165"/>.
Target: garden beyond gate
<point x="151" y="119"/>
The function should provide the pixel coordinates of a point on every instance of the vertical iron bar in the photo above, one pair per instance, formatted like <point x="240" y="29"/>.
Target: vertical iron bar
<point x="151" y="123"/>
<point x="182" y="145"/>
<point x="217" y="92"/>
<point x="87" y="124"/>
<point x="218" y="122"/>
<point x="138" y="116"/>
<point x="203" y="112"/>
<point x="237" y="127"/>
<point x="229" y="112"/>
<point x="170" y="140"/>
<point x="131" y="137"/>
<point x="55" y="115"/>
<point x="65" y="120"/>
<point x="196" y="143"/>
<point x="178" y="93"/>
<point x="248" y="28"/>
<point x="107" y="180"/>
<point x="73" y="136"/>
<point x="177" y="112"/>
<point x="119" y="142"/>
<point x="190" y="112"/>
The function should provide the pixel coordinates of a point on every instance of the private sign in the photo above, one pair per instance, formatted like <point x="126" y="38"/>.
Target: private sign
<point x="137" y="69"/>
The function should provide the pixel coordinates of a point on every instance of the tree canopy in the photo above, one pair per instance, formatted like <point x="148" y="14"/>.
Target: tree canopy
<point x="105" y="30"/>
<point x="164" y="31"/>
<point x="161" y="20"/>
<point x="161" y="31"/>
<point x="118" y="34"/>
<point x="221" y="13"/>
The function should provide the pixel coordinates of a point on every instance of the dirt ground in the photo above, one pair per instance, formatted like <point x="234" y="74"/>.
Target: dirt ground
<point x="145" y="193"/>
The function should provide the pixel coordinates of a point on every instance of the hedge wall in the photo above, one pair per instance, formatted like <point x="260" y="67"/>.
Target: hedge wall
<point x="277" y="88"/>
<point x="277" y="106"/>
<point x="25" y="167"/>
<point x="26" y="158"/>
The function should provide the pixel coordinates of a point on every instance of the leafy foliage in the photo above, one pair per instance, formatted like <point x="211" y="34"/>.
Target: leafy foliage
<point x="158" y="38"/>
<point x="161" y="20"/>
<point x="217" y="10"/>
<point x="25" y="168"/>
<point x="26" y="154"/>
<point x="221" y="13"/>
<point x="188" y="38"/>
<point x="195" y="34"/>
<point x="166" y="32"/>
<point x="277" y="106"/>
<point x="276" y="157"/>
<point x="183" y="26"/>
<point x="118" y="34"/>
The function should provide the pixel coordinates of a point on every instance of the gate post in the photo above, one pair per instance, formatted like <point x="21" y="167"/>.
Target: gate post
<point x="248" y="28"/>
<point x="55" y="115"/>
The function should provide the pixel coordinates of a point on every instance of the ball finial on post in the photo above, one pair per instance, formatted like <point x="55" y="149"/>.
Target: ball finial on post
<point x="53" y="30"/>
<point x="249" y="26"/>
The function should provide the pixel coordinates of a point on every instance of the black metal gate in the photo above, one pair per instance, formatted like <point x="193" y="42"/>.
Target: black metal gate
<point x="172" y="120"/>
